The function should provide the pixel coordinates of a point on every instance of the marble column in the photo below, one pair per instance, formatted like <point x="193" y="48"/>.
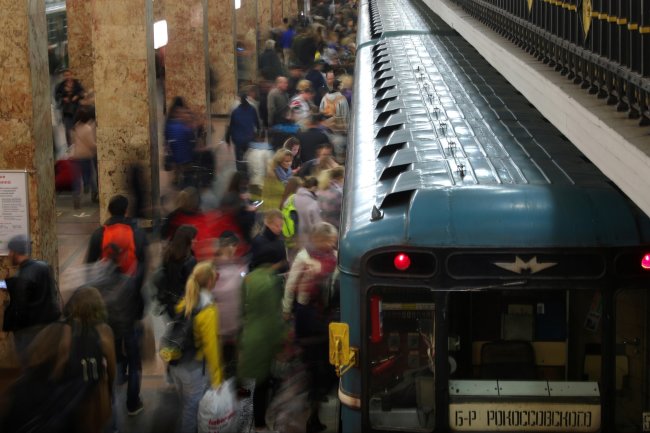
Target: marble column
<point x="276" y="13"/>
<point x="246" y="28"/>
<point x="158" y="11"/>
<point x="263" y="22"/>
<point x="221" y="43"/>
<point x="125" y="101"/>
<point x="26" y="130"/>
<point x="80" y="46"/>
<point x="186" y="54"/>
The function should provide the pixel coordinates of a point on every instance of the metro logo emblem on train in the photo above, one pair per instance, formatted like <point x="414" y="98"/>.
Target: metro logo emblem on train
<point x="519" y="266"/>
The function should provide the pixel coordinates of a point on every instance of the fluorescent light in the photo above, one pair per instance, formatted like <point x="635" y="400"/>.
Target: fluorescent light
<point x="237" y="4"/>
<point x="159" y="34"/>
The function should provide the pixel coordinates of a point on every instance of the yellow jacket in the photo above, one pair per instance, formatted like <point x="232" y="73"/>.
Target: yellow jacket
<point x="206" y="339"/>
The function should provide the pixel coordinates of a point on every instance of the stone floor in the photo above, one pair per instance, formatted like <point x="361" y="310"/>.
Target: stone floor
<point x="74" y="228"/>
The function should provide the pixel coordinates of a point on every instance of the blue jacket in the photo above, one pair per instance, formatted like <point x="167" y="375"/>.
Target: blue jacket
<point x="243" y="123"/>
<point x="180" y="139"/>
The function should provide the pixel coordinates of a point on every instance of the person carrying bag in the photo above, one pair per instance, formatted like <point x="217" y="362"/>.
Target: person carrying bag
<point x="199" y="365"/>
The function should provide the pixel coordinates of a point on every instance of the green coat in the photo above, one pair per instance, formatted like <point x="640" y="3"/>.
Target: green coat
<point x="263" y="330"/>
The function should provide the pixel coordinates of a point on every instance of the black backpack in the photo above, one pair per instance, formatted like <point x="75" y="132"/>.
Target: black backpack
<point x="177" y="343"/>
<point x="39" y="404"/>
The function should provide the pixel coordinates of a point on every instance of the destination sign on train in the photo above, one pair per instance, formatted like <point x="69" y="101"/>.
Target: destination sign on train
<point x="524" y="416"/>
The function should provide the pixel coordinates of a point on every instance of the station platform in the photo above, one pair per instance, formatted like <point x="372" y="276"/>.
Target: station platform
<point x="161" y="403"/>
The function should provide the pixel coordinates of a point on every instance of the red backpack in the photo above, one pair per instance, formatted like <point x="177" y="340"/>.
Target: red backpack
<point x="118" y="243"/>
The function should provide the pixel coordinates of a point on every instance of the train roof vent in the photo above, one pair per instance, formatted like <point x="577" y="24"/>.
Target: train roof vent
<point x="392" y="171"/>
<point x="376" y="26"/>
<point x="381" y="64"/>
<point x="387" y="97"/>
<point x="379" y="47"/>
<point x="391" y="107"/>
<point x="380" y="81"/>
<point x="396" y="141"/>
<point x="393" y="123"/>
<point x="397" y="198"/>
<point x="388" y="85"/>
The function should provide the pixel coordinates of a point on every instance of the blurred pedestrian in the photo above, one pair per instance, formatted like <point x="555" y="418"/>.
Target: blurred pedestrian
<point x="68" y="374"/>
<point x="241" y="130"/>
<point x="83" y="152"/>
<point x="121" y="240"/>
<point x="278" y="172"/>
<point x="263" y="330"/>
<point x="270" y="65"/>
<point x="277" y="100"/>
<point x="34" y="298"/>
<point x="306" y="285"/>
<point x="307" y="208"/>
<point x="330" y="196"/>
<point x="176" y="267"/>
<point x="201" y="367"/>
<point x="180" y="139"/>
<point x="269" y="245"/>
<point x="227" y="295"/>
<point x="68" y="95"/>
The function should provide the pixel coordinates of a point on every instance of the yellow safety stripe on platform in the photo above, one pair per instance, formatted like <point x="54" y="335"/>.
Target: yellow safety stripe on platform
<point x="573" y="8"/>
<point x="612" y="19"/>
<point x="603" y="16"/>
<point x="644" y="30"/>
<point x="632" y="26"/>
<point x="595" y="14"/>
<point x="621" y="21"/>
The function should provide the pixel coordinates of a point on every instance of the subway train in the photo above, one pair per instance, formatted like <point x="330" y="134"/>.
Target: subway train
<point x="491" y="277"/>
<point x="57" y="35"/>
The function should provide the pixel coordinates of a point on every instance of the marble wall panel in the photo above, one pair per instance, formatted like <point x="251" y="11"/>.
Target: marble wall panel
<point x="125" y="101"/>
<point x="276" y="13"/>
<point x="25" y="126"/>
<point x="246" y="28"/>
<point x="185" y="53"/>
<point x="80" y="47"/>
<point x="263" y="22"/>
<point x="294" y="8"/>
<point x="221" y="45"/>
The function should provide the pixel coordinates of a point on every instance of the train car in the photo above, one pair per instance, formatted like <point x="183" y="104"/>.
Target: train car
<point x="491" y="277"/>
<point x="57" y="34"/>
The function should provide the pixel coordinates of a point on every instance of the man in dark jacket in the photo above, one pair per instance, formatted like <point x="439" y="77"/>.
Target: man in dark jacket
<point x="34" y="297"/>
<point x="312" y="138"/>
<point x="268" y="246"/>
<point x="121" y="241"/>
<point x="269" y="63"/>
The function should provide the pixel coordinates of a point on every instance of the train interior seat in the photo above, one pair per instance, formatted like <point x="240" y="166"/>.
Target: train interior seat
<point x="592" y="365"/>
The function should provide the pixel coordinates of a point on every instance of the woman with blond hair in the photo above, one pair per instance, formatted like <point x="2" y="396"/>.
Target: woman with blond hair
<point x="278" y="173"/>
<point x="201" y="367"/>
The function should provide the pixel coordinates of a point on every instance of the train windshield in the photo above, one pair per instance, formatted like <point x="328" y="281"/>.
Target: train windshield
<point x="401" y="358"/>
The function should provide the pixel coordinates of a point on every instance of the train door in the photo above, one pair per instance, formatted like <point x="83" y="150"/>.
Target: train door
<point x="631" y="389"/>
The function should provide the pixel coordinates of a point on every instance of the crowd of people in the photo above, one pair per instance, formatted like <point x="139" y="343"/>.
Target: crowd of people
<point x="252" y="268"/>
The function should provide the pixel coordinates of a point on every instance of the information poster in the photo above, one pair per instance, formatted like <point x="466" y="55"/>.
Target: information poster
<point x="14" y="207"/>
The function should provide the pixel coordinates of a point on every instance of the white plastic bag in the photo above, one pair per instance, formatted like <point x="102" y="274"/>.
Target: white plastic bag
<point x="218" y="409"/>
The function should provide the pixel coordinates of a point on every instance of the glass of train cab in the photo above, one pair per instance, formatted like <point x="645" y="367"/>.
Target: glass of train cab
<point x="491" y="277"/>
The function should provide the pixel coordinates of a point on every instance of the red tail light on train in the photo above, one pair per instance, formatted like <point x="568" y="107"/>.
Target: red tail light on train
<point x="402" y="262"/>
<point x="645" y="262"/>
